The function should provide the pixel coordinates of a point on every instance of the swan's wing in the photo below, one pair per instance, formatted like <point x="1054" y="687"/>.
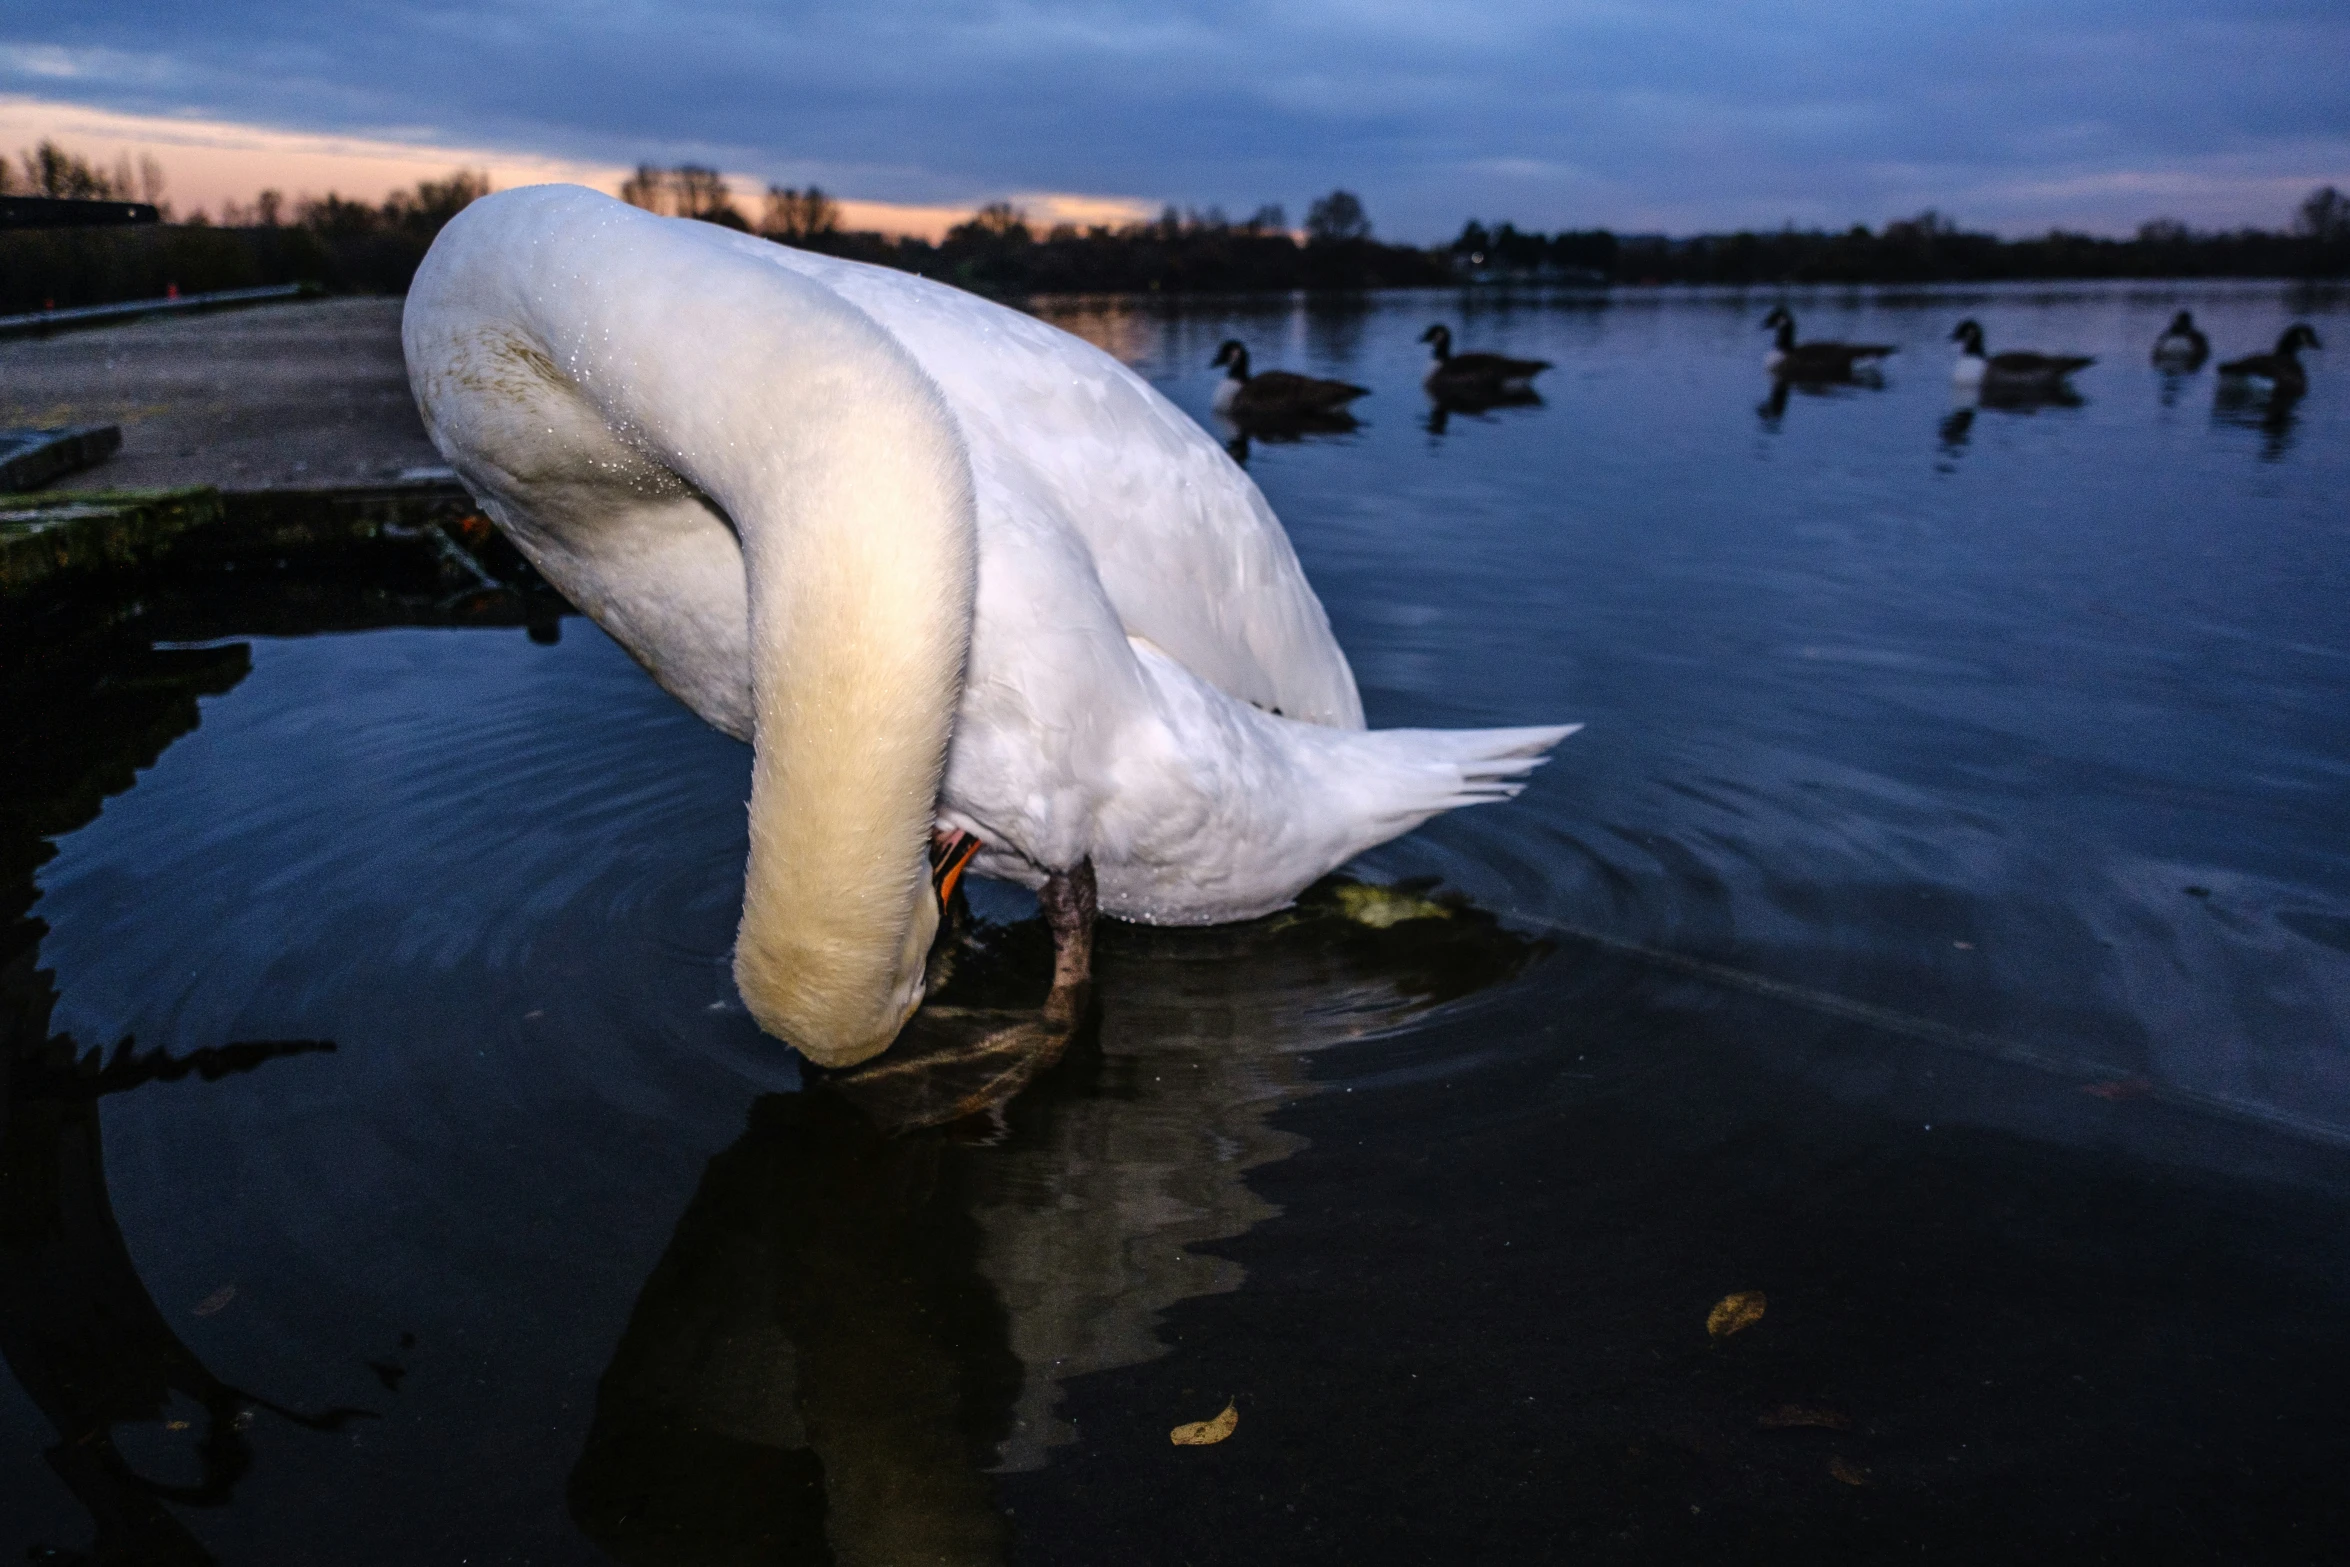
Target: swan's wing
<point x="1186" y="548"/>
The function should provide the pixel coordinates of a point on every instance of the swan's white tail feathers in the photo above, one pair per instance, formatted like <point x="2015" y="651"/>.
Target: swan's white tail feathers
<point x="1410" y="775"/>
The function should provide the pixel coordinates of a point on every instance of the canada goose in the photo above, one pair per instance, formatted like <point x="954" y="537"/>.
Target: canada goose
<point x="1275" y="395"/>
<point x="2182" y="345"/>
<point x="2281" y="369"/>
<point x="1474" y="378"/>
<point x="1793" y="361"/>
<point x="973" y="591"/>
<point x="2020" y="372"/>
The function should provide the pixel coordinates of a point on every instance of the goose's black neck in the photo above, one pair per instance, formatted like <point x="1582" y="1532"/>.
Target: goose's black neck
<point x="1236" y="367"/>
<point x="1786" y="338"/>
<point x="1440" y="344"/>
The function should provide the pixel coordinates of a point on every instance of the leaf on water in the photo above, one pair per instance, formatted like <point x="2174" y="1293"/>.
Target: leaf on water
<point x="1790" y="1416"/>
<point x="1383" y="908"/>
<point x="217" y="1299"/>
<point x="1735" y="1312"/>
<point x="1847" y="1471"/>
<point x="1206" y="1433"/>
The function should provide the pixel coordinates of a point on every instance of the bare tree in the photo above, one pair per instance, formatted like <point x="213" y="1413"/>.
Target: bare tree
<point x="50" y="170"/>
<point x="434" y="202"/>
<point x="701" y="192"/>
<point x="2324" y="216"/>
<point x="796" y="215"/>
<point x="1336" y="217"/>
<point x="647" y="188"/>
<point x="1001" y="219"/>
<point x="691" y="190"/>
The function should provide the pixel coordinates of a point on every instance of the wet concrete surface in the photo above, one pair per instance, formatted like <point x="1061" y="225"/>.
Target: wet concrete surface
<point x="305" y="395"/>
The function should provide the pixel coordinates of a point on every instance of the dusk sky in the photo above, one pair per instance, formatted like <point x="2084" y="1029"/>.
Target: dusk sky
<point x="1678" y="115"/>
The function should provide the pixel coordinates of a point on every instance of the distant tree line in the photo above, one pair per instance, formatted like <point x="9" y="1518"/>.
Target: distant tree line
<point x="349" y="246"/>
<point x="999" y="251"/>
<point x="1928" y="248"/>
<point x="361" y="247"/>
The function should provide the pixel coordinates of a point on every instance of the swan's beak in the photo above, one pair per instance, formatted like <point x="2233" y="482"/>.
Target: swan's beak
<point x="950" y="853"/>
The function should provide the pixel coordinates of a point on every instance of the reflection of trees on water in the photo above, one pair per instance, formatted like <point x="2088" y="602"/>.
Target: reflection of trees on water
<point x="851" y="1328"/>
<point x="89" y="701"/>
<point x="77" y="1325"/>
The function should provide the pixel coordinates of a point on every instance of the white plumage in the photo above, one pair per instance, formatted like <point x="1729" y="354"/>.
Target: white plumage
<point x="857" y="517"/>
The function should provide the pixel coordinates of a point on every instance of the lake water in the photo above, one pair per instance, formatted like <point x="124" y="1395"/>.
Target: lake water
<point x="1941" y="929"/>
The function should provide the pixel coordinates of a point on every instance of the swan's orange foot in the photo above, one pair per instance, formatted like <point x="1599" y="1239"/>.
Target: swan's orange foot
<point x="950" y="855"/>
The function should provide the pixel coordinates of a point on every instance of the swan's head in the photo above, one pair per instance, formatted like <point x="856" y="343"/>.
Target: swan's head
<point x="818" y="1032"/>
<point x="1969" y="337"/>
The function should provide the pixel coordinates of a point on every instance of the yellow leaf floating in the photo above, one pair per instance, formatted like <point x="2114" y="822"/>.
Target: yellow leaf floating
<point x="1734" y="1312"/>
<point x="1789" y="1416"/>
<point x="1384" y="908"/>
<point x="1206" y="1433"/>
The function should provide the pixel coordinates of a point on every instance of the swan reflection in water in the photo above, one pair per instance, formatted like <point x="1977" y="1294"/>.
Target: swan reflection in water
<point x="862" y="1316"/>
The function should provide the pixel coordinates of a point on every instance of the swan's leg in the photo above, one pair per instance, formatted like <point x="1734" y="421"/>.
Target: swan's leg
<point x="1067" y="899"/>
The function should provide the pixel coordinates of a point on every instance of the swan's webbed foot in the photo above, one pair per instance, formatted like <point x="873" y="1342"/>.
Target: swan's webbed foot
<point x="953" y="1063"/>
<point x="1067" y="899"/>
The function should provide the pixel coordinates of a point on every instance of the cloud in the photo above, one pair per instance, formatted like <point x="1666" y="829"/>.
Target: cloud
<point x="1677" y="113"/>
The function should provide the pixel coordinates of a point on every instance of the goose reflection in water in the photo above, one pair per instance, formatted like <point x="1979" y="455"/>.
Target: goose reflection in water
<point x="1442" y="409"/>
<point x="863" y="1315"/>
<point x="1239" y="433"/>
<point x="2275" y="413"/>
<point x="1772" y="410"/>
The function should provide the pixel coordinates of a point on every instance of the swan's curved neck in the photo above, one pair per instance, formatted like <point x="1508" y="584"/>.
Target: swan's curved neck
<point x="859" y="555"/>
<point x="576" y="330"/>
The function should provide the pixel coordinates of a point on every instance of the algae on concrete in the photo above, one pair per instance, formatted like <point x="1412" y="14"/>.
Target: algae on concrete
<point x="56" y="535"/>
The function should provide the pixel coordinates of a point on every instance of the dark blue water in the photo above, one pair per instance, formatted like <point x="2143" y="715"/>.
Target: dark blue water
<point x="1942" y="927"/>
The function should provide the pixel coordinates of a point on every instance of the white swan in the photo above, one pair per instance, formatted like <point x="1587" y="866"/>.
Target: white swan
<point x="949" y="569"/>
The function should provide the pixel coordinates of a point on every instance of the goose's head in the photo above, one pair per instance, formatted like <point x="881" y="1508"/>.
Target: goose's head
<point x="2297" y="337"/>
<point x="2180" y="324"/>
<point x="1439" y="339"/>
<point x="1969" y="338"/>
<point x="1777" y="318"/>
<point x="1234" y="353"/>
